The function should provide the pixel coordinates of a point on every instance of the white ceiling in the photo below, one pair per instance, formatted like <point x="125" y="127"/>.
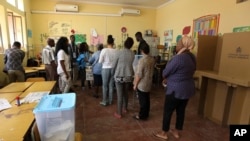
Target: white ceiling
<point x="137" y="3"/>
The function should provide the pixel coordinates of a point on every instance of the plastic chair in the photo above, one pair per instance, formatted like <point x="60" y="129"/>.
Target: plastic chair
<point x="35" y="79"/>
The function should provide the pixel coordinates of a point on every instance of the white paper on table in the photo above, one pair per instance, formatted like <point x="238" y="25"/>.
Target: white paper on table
<point x="34" y="97"/>
<point x="4" y="104"/>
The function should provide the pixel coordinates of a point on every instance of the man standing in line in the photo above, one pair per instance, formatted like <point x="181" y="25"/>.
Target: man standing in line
<point x="138" y="36"/>
<point x="74" y="53"/>
<point x="13" y="60"/>
<point x="48" y="59"/>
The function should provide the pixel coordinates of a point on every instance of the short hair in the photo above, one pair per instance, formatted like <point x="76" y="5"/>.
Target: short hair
<point x="110" y="39"/>
<point x="83" y="47"/>
<point x="138" y="34"/>
<point x="50" y="41"/>
<point x="72" y="36"/>
<point x="99" y="46"/>
<point x="128" y="43"/>
<point x="145" y="48"/>
<point x="17" y="44"/>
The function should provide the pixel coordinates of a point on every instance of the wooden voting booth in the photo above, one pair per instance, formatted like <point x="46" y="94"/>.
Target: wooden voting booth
<point x="223" y="63"/>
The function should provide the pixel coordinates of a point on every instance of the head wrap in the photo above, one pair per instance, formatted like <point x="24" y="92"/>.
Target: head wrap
<point x="186" y="43"/>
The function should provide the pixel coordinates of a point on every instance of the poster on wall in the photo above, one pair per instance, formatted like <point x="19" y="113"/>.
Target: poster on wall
<point x="79" y="38"/>
<point x="168" y="37"/>
<point x="96" y="40"/>
<point x="206" y="25"/>
<point x="59" y="28"/>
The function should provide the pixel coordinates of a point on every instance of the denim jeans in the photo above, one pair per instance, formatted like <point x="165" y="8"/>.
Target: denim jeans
<point x="107" y="85"/>
<point x="122" y="96"/>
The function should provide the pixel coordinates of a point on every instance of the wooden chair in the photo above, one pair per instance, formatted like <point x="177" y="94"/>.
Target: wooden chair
<point x="35" y="79"/>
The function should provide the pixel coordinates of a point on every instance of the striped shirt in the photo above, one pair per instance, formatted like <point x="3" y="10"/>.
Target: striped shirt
<point x="48" y="55"/>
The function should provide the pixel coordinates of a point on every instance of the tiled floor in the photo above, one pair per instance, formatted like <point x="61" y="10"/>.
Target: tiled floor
<point x="97" y="123"/>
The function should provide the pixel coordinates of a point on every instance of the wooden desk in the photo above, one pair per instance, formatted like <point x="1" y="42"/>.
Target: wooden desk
<point x="41" y="86"/>
<point x="37" y="70"/>
<point x="10" y="96"/>
<point x="16" y="121"/>
<point x="16" y="87"/>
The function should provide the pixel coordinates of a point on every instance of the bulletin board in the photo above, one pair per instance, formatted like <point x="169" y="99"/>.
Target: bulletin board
<point x="206" y="25"/>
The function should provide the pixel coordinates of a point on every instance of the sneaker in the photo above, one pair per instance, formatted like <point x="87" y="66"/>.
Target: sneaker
<point x="110" y="103"/>
<point x="103" y="103"/>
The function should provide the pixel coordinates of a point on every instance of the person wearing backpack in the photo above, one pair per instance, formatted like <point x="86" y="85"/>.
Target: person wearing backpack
<point x="81" y="61"/>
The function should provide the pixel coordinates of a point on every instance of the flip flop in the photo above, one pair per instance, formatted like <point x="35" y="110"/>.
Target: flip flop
<point x="160" y="136"/>
<point x="176" y="135"/>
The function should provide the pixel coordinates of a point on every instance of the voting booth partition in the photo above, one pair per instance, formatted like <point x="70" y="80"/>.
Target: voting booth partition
<point x="223" y="64"/>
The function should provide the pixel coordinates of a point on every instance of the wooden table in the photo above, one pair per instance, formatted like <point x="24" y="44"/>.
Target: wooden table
<point x="36" y="71"/>
<point x="16" y="87"/>
<point x="16" y="121"/>
<point x="10" y="96"/>
<point x="41" y="86"/>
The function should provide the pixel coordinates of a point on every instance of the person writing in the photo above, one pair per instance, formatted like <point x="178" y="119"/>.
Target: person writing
<point x="178" y="75"/>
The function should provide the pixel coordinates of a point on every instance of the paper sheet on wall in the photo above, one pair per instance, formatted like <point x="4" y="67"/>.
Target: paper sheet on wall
<point x="4" y="104"/>
<point x="96" y="40"/>
<point x="59" y="28"/>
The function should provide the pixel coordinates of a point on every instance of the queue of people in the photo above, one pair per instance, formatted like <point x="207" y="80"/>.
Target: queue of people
<point x="114" y="69"/>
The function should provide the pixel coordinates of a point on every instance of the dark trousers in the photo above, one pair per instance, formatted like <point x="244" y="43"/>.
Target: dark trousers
<point x="171" y="104"/>
<point x="83" y="76"/>
<point x="144" y="101"/>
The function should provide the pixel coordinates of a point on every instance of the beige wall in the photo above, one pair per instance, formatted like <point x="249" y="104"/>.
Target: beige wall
<point x="104" y="25"/>
<point x="180" y="13"/>
<point x="175" y="15"/>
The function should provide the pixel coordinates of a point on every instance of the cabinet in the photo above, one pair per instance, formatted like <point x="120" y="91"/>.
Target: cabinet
<point x="153" y="42"/>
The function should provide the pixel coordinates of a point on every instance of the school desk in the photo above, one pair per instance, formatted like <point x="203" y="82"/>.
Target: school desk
<point x="16" y="87"/>
<point x="16" y="121"/>
<point x="10" y="96"/>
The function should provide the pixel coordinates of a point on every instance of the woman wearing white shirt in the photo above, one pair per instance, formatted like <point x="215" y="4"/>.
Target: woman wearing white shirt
<point x="63" y="67"/>
<point x="107" y="58"/>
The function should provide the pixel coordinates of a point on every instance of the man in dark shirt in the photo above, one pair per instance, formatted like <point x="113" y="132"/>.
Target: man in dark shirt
<point x="13" y="62"/>
<point x="138" y="36"/>
<point x="74" y="52"/>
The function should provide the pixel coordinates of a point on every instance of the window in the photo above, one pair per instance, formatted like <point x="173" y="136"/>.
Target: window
<point x="20" y="5"/>
<point x="15" y="28"/>
<point x="12" y="2"/>
<point x="17" y="3"/>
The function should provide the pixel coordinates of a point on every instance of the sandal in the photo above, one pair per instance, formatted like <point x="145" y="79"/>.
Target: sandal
<point x="174" y="133"/>
<point x="117" y="116"/>
<point x="136" y="117"/>
<point x="159" y="134"/>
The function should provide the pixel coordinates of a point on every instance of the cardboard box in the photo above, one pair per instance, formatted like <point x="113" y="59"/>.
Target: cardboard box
<point x="227" y="93"/>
